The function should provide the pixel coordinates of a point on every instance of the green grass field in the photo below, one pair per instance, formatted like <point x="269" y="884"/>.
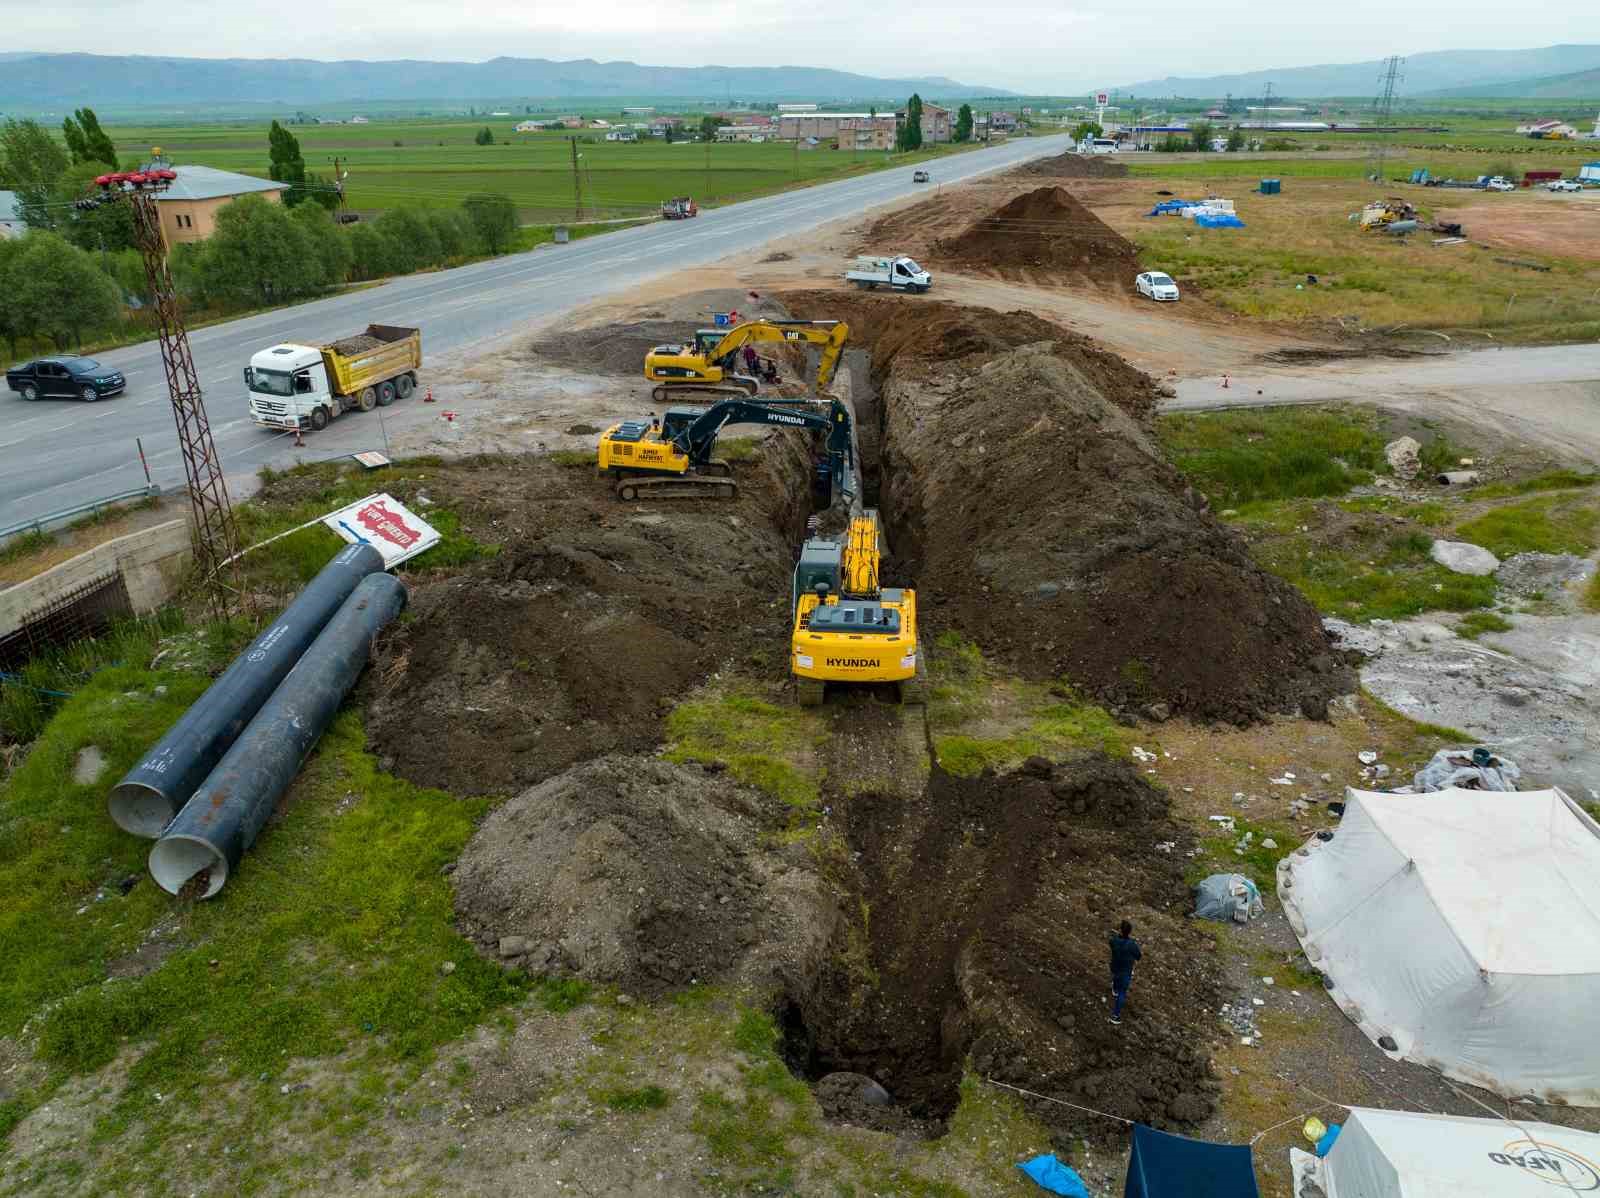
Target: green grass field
<point x="437" y="163"/>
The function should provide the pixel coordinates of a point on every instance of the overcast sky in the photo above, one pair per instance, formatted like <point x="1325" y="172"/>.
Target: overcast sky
<point x="1024" y="45"/>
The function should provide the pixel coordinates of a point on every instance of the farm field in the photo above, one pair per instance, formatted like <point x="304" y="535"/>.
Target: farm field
<point x="437" y="164"/>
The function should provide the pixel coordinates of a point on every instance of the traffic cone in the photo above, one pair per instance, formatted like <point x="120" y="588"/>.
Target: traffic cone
<point x="428" y="398"/>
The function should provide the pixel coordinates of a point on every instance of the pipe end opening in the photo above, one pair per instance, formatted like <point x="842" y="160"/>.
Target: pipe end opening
<point x="140" y="809"/>
<point x="175" y="860"/>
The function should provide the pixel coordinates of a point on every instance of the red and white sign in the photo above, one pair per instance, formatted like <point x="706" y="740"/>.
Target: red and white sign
<point x="1101" y="99"/>
<point x="386" y="524"/>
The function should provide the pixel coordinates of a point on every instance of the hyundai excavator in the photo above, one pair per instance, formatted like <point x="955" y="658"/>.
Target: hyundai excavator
<point x="672" y="458"/>
<point x="847" y="626"/>
<point x="709" y="364"/>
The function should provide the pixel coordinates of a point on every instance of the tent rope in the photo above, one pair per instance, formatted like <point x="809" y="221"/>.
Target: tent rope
<point x="1059" y="1101"/>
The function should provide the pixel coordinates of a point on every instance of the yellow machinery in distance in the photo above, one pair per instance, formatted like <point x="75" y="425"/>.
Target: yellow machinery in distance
<point x="848" y="627"/>
<point x="709" y="364"/>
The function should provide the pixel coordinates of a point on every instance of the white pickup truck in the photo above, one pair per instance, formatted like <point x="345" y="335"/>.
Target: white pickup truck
<point x="896" y="271"/>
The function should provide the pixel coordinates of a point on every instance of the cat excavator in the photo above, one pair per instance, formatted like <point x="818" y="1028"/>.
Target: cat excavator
<point x="709" y="364"/>
<point x="672" y="458"/>
<point x="847" y="626"/>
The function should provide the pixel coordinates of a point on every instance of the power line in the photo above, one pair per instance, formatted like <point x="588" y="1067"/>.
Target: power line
<point x="1383" y="116"/>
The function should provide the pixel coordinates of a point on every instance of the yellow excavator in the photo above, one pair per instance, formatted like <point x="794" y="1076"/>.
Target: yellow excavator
<point x="710" y="363"/>
<point x="847" y="626"/>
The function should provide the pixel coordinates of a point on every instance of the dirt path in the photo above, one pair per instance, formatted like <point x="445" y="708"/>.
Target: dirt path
<point x="1537" y="223"/>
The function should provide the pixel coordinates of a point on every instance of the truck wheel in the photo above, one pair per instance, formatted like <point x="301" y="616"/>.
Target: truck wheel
<point x="404" y="386"/>
<point x="386" y="393"/>
<point x="319" y="418"/>
<point x="367" y="400"/>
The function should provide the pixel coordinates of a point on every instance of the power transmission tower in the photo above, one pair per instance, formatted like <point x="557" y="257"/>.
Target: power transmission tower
<point x="1266" y="108"/>
<point x="215" y="533"/>
<point x="577" y="184"/>
<point x="1383" y="114"/>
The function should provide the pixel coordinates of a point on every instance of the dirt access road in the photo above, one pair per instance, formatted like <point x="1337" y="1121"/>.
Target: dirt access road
<point x="1548" y="396"/>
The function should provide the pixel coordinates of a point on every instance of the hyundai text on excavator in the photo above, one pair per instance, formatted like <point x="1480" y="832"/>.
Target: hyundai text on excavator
<point x="709" y="364"/>
<point x="672" y="458"/>
<point x="847" y="626"/>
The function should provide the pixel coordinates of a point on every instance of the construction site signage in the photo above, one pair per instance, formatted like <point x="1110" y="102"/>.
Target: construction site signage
<point x="386" y="524"/>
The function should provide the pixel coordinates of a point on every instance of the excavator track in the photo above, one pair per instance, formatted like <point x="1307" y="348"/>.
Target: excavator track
<point x="744" y="389"/>
<point x="683" y="486"/>
<point x="914" y="690"/>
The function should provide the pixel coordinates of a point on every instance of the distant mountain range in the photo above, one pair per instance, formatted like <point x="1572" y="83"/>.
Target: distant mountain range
<point x="1421" y="75"/>
<point x="64" y="80"/>
<point x="1580" y="85"/>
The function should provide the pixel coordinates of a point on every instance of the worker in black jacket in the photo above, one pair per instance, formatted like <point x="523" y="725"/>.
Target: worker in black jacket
<point x="1124" y="952"/>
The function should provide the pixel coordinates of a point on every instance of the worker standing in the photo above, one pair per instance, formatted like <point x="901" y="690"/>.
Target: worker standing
<point x="751" y="361"/>
<point x="1124" y="952"/>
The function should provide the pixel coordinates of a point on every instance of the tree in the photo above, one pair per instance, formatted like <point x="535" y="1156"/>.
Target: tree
<point x="321" y="190"/>
<point x="31" y="164"/>
<point x="708" y="127"/>
<point x="1235" y="140"/>
<point x="107" y="228"/>
<point x="11" y="316"/>
<point x="285" y="163"/>
<point x="494" y="221"/>
<point x="963" y="129"/>
<point x="454" y="234"/>
<point x="484" y="136"/>
<point x="87" y="142"/>
<point x="373" y="253"/>
<point x="1085" y="130"/>
<point x="909" y="135"/>
<point x="258" y="254"/>
<point x="668" y="132"/>
<point x="331" y="248"/>
<point x="414" y="235"/>
<point x="1200" y="135"/>
<point x="56" y="291"/>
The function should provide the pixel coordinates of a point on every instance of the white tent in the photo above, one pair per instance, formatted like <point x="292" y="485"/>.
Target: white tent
<point x="1399" y="1154"/>
<point x="1464" y="925"/>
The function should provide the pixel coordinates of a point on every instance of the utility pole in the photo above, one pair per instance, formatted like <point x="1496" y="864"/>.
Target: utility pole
<point x="707" y="188"/>
<point x="577" y="184"/>
<point x="1383" y="109"/>
<point x="216" y="535"/>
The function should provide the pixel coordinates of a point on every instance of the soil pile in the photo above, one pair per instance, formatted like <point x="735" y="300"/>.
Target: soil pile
<point x="1045" y="229"/>
<point x="634" y="871"/>
<point x="1026" y="497"/>
<point x="990" y="901"/>
<point x="611" y="349"/>
<point x="592" y="618"/>
<point x="1073" y="166"/>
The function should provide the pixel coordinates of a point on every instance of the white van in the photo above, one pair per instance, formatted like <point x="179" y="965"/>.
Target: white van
<point x="1098" y="145"/>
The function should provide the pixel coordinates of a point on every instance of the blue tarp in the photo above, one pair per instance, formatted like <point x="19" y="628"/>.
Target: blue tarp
<point x="1052" y="1175"/>
<point x="1329" y="1138"/>
<point x="1219" y="220"/>
<point x="1167" y="1166"/>
<point x="1166" y="207"/>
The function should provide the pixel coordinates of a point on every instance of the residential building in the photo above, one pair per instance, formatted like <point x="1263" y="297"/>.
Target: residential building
<point x="10" y="216"/>
<point x="786" y="108"/>
<point x="1002" y="122"/>
<point x="189" y="207"/>
<point x="854" y="130"/>
<point x="741" y="133"/>
<point x="359" y="120"/>
<point x="936" y="124"/>
<point x="660" y="125"/>
<point x="621" y="135"/>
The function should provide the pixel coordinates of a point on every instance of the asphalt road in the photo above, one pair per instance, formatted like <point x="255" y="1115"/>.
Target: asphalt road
<point x="57" y="453"/>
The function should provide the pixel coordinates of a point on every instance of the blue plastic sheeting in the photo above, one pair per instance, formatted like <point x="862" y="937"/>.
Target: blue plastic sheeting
<point x="1167" y="1166"/>
<point x="1328" y="1139"/>
<point x="1052" y="1175"/>
<point x="1221" y="220"/>
<point x="1171" y="206"/>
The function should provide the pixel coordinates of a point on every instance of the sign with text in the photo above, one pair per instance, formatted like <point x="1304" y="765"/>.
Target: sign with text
<point x="386" y="524"/>
<point x="1101" y="99"/>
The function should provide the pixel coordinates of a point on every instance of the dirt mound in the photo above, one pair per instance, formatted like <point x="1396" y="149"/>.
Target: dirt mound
<point x="1072" y="166"/>
<point x="594" y="615"/>
<point x="1044" y="229"/>
<point x="1036" y="514"/>
<point x="990" y="901"/>
<point x="611" y="349"/>
<point x="634" y="871"/>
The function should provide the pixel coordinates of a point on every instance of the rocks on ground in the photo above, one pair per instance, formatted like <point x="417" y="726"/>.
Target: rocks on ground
<point x="1464" y="558"/>
<point x="1403" y="456"/>
<point x="637" y="872"/>
<point x="1530" y="574"/>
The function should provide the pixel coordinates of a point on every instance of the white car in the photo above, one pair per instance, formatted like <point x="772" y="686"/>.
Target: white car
<point x="1156" y="285"/>
<point x="1564" y="185"/>
<point x="1499" y="184"/>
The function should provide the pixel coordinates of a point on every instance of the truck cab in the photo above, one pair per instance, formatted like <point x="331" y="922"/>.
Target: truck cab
<point x="288" y="387"/>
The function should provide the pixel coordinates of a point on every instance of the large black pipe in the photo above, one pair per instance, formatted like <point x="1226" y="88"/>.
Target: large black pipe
<point x="151" y="793"/>
<point x="223" y="818"/>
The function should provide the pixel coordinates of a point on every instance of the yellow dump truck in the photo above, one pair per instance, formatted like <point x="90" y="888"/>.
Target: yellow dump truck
<point x="305" y="386"/>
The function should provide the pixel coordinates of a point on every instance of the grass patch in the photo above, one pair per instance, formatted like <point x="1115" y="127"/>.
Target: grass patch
<point x="1591" y="592"/>
<point x="749" y="1131"/>
<point x="575" y="457"/>
<point x="560" y="995"/>
<point x="1222" y="853"/>
<point x="306" y="492"/>
<point x="1550" y="524"/>
<point x="1246" y="456"/>
<point x="329" y="941"/>
<point x="645" y="1098"/>
<point x="1475" y="624"/>
<point x="24" y="543"/>
<point x="760" y="742"/>
<point x="982" y="720"/>
<point x="1554" y="480"/>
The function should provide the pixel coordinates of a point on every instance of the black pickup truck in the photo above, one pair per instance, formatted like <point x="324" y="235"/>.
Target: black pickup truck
<point x="65" y="378"/>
